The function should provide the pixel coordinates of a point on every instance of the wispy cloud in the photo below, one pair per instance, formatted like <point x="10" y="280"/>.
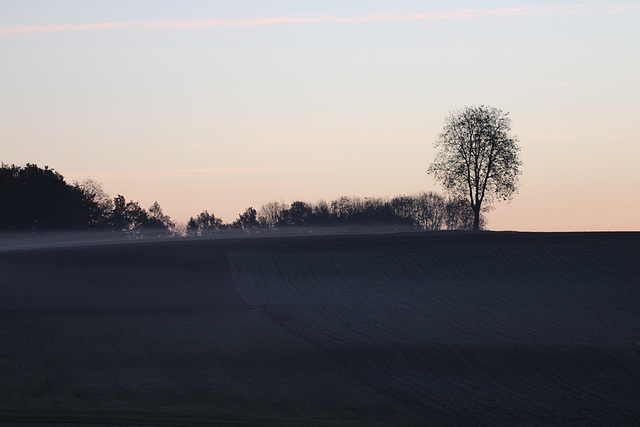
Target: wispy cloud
<point x="621" y="8"/>
<point x="62" y="27"/>
<point x="375" y="18"/>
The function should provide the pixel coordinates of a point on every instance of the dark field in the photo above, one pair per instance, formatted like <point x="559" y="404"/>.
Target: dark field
<point x="386" y="329"/>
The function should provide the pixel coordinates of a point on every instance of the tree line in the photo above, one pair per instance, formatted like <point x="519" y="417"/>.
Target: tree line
<point x="477" y="162"/>
<point x="39" y="199"/>
<point x="426" y="211"/>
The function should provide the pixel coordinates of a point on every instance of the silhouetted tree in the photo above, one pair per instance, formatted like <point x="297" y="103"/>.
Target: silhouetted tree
<point x="247" y="220"/>
<point x="97" y="203"/>
<point x="204" y="223"/>
<point x="136" y="217"/>
<point x="370" y="211"/>
<point x="429" y="211"/>
<point x="38" y="199"/>
<point x="299" y="213"/>
<point x="192" y="227"/>
<point x="130" y="218"/>
<point x="345" y="209"/>
<point x="403" y="206"/>
<point x="157" y="221"/>
<point x="379" y="212"/>
<point x="321" y="213"/>
<point x="118" y="219"/>
<point x="460" y="216"/>
<point x="477" y="157"/>
<point x="270" y="214"/>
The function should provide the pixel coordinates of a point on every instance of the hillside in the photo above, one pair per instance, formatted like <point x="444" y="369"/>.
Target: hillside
<point x="408" y="328"/>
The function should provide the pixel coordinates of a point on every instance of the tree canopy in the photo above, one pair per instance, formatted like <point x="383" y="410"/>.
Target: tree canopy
<point x="203" y="223"/>
<point x="39" y="199"/>
<point x="34" y="198"/>
<point x="477" y="157"/>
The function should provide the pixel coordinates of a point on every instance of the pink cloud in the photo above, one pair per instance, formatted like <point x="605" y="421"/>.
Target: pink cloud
<point x="621" y="8"/>
<point x="60" y="27"/>
<point x="379" y="18"/>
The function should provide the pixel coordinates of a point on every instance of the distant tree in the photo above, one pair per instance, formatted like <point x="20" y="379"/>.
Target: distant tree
<point x="477" y="157"/>
<point x="118" y="218"/>
<point x="157" y="221"/>
<point x="460" y="216"/>
<point x="299" y="213"/>
<point x="379" y="212"/>
<point x="137" y="218"/>
<point x="341" y="208"/>
<point x="192" y="227"/>
<point x="370" y="211"/>
<point x="38" y="199"/>
<point x="247" y="220"/>
<point x="321" y="213"/>
<point x="429" y="211"/>
<point x="203" y="223"/>
<point x="270" y="214"/>
<point x="403" y="206"/>
<point x="132" y="219"/>
<point x="345" y="209"/>
<point x="97" y="203"/>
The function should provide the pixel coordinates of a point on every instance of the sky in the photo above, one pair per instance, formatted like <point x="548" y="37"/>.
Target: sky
<point x="222" y="105"/>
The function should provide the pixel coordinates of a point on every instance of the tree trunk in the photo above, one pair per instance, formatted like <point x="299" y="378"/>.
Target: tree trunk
<point x="476" y="218"/>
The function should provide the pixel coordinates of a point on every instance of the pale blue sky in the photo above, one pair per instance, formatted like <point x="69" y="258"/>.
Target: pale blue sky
<point x="224" y="105"/>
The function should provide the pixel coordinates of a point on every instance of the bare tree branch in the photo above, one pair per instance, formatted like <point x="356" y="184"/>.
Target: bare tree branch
<point x="477" y="157"/>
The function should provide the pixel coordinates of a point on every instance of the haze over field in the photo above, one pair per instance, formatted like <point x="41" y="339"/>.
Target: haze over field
<point x="223" y="105"/>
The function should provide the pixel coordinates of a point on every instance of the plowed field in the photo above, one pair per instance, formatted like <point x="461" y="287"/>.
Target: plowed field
<point x="496" y="330"/>
<point x="388" y="329"/>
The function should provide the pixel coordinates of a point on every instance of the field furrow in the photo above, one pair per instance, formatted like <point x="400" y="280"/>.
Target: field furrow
<point x="469" y="331"/>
